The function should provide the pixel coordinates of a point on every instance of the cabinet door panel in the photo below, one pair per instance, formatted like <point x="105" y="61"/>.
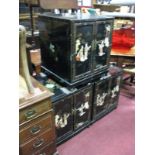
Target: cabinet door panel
<point x="114" y="90"/>
<point x="101" y="99"/>
<point x="63" y="116"/>
<point x="102" y="44"/>
<point x="83" y="41"/>
<point x="82" y="107"/>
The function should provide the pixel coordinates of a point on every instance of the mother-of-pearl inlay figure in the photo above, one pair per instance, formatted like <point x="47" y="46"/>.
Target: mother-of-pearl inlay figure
<point x="101" y="53"/>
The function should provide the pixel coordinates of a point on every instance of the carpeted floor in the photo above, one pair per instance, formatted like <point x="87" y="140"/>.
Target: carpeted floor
<point x="112" y="135"/>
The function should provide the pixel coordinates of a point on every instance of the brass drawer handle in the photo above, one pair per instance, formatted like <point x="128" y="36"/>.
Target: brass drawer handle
<point x="30" y="114"/>
<point x="36" y="129"/>
<point x="38" y="143"/>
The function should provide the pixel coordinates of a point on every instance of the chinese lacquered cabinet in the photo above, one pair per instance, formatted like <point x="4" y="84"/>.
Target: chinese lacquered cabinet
<point x="72" y="106"/>
<point x="73" y="47"/>
<point x="76" y="108"/>
<point x="72" y="113"/>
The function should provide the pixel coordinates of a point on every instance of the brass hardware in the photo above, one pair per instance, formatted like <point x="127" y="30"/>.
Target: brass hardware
<point x="35" y="129"/>
<point x="38" y="143"/>
<point x="30" y="114"/>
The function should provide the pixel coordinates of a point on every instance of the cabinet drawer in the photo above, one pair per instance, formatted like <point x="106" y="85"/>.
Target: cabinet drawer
<point x="33" y="111"/>
<point x="38" y="143"/>
<point x="47" y="150"/>
<point x="34" y="128"/>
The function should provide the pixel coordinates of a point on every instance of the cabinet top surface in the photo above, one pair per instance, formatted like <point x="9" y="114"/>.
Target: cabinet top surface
<point x="40" y="94"/>
<point x="75" y="17"/>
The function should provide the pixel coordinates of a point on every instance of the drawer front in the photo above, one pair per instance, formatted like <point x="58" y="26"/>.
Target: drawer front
<point x="33" y="111"/>
<point x="38" y="143"/>
<point x="35" y="127"/>
<point x="47" y="150"/>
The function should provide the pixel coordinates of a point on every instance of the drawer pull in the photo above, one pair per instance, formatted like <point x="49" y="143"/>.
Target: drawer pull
<point x="35" y="129"/>
<point x="38" y="143"/>
<point x="30" y="114"/>
<point x="42" y="154"/>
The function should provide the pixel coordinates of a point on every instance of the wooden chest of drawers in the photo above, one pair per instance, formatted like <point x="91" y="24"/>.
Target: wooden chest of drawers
<point x="36" y="123"/>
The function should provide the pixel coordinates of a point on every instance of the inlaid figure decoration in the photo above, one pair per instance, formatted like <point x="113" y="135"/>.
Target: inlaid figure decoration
<point x="101" y="99"/>
<point x="108" y="30"/>
<point x="105" y="42"/>
<point x="82" y="108"/>
<point x="101" y="53"/>
<point x="81" y="51"/>
<point x="61" y="120"/>
<point x="115" y="90"/>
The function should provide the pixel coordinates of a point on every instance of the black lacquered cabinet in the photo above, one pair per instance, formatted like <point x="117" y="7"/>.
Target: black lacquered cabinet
<point x="73" y="113"/>
<point x="72" y="106"/>
<point x="73" y="47"/>
<point x="77" y="108"/>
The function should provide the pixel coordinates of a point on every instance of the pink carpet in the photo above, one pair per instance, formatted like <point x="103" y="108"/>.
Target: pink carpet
<point x="112" y="135"/>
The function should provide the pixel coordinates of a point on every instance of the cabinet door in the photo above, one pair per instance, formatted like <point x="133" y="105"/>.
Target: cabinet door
<point x="114" y="90"/>
<point x="102" y="44"/>
<point x="82" y="107"/>
<point x="101" y="97"/>
<point x="82" y="42"/>
<point x="63" y="117"/>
